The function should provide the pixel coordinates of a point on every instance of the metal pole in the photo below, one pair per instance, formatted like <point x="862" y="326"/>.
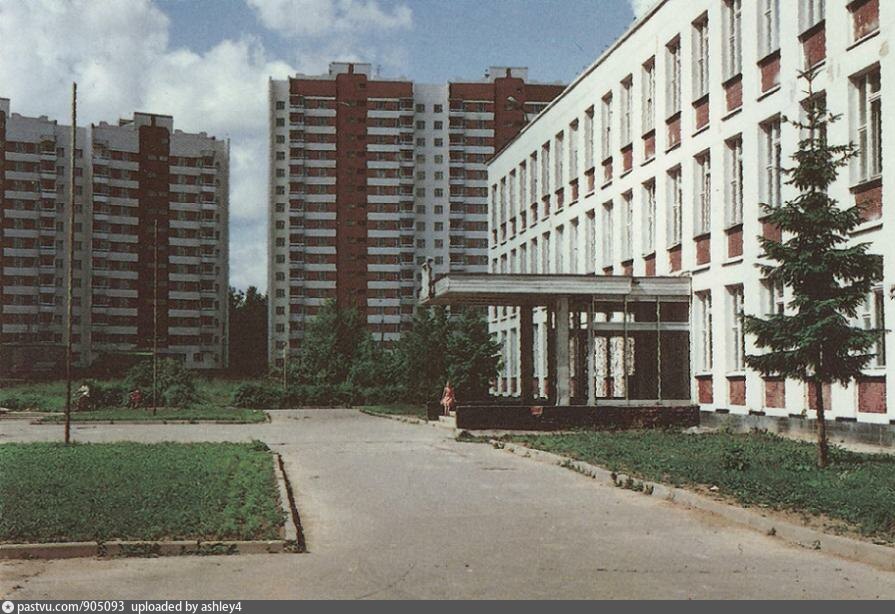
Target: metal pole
<point x="69" y="350"/>
<point x="285" y="363"/>
<point x="591" y="359"/>
<point x="155" y="321"/>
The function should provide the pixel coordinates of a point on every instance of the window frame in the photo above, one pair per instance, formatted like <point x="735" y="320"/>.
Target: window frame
<point x="702" y="194"/>
<point x="733" y="38"/>
<point x="867" y="131"/>
<point x="771" y="160"/>
<point x="734" y="197"/>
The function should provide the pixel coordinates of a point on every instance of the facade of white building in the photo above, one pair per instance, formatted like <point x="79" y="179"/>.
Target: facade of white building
<point x="655" y="162"/>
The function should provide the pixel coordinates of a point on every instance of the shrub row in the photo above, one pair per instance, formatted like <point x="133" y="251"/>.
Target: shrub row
<point x="265" y="395"/>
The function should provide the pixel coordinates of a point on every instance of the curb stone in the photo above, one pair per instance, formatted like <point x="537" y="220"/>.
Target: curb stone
<point x="292" y="539"/>
<point x="872" y="554"/>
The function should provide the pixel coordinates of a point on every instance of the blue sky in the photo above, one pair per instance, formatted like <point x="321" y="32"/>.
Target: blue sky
<point x="207" y="62"/>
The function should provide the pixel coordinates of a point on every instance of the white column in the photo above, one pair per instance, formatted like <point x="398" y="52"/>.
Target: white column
<point x="563" y="380"/>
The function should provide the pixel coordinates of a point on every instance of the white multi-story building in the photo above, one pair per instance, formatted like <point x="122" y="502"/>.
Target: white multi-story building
<point x="151" y="234"/>
<point x="656" y="159"/>
<point x="370" y="178"/>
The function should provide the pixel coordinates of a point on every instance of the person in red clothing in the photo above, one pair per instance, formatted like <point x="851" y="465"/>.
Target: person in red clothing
<point x="448" y="400"/>
<point x="136" y="399"/>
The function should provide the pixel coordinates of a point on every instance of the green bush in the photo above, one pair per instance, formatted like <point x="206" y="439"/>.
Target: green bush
<point x="17" y="401"/>
<point x="103" y="395"/>
<point x="254" y="395"/>
<point x="175" y="385"/>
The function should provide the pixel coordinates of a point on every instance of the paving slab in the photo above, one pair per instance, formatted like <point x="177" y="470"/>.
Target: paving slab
<point x="397" y="510"/>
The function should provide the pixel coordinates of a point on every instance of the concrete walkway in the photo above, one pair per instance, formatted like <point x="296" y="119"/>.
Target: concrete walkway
<point x="393" y="510"/>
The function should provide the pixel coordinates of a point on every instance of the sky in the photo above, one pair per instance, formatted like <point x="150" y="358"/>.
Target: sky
<point x="207" y="62"/>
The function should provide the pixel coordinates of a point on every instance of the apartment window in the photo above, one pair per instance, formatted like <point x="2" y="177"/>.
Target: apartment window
<point x="701" y="57"/>
<point x="734" y="181"/>
<point x="675" y="206"/>
<point x="628" y="237"/>
<point x="649" y="217"/>
<point x="438" y="108"/>
<point x="811" y="13"/>
<point x="673" y="77"/>
<point x="545" y="252"/>
<point x="523" y="186"/>
<point x="606" y="132"/>
<point x="626" y="112"/>
<point x="606" y="239"/>
<point x="737" y="345"/>
<point x="704" y="331"/>
<point x="589" y="138"/>
<point x="703" y="193"/>
<point x="573" y="150"/>
<point x="733" y="49"/>
<point x="649" y="95"/>
<point x="768" y="26"/>
<point x="868" y="125"/>
<point x="420" y="108"/>
<point x="873" y="318"/>
<point x="421" y="125"/>
<point x="770" y="182"/>
<point x="534" y="177"/>
<point x="545" y="168"/>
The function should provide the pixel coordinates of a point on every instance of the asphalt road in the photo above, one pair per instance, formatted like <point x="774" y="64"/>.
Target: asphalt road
<point x="392" y="511"/>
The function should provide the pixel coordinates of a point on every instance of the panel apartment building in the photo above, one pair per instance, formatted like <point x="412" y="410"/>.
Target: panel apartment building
<point x="145" y="194"/>
<point x="655" y="162"/>
<point x="370" y="178"/>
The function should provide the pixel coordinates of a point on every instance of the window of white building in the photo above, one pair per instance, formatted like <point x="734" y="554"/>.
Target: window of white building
<point x="574" y="230"/>
<point x="768" y="27"/>
<point x="773" y="301"/>
<point x="606" y="128"/>
<point x="545" y="169"/>
<point x="573" y="150"/>
<point x="534" y="177"/>
<point x="649" y="217"/>
<point x="733" y="34"/>
<point x="590" y="243"/>
<point x="867" y="136"/>
<point x="673" y="77"/>
<point x="626" y="117"/>
<point x="589" y="138"/>
<point x="736" y="348"/>
<point x="627" y="245"/>
<point x="560" y="245"/>
<point x="701" y="57"/>
<point x="675" y="207"/>
<point x="545" y="254"/>
<point x="606" y="240"/>
<point x="811" y="13"/>
<point x="770" y="180"/>
<point x="703" y="337"/>
<point x="523" y="187"/>
<point x="559" y="177"/>
<point x="533" y="254"/>
<point x="703" y="194"/>
<point x="872" y="316"/>
<point x="648" y="87"/>
<point x="734" y="181"/>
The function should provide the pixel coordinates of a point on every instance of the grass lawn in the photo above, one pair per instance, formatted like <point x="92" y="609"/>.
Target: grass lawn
<point x="416" y="411"/>
<point x="857" y="491"/>
<point x="96" y="492"/>
<point x="223" y="414"/>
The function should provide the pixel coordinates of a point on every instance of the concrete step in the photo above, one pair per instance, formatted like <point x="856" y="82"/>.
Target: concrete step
<point x="449" y="421"/>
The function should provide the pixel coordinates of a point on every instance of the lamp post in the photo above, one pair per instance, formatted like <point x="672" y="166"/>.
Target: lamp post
<point x="71" y="259"/>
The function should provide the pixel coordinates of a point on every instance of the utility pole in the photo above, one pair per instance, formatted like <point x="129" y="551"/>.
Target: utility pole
<point x="71" y="258"/>
<point x="155" y="319"/>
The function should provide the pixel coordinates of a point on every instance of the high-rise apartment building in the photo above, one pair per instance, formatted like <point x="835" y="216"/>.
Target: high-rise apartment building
<point x="150" y="265"/>
<point x="370" y="178"/>
<point x="658" y="159"/>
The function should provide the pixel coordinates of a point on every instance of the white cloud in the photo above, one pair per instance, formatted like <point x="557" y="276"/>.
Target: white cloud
<point x="120" y="54"/>
<point x="640" y="7"/>
<point x="324" y="17"/>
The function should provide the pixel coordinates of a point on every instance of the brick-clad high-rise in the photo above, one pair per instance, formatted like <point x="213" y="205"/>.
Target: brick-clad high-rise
<point x="144" y="191"/>
<point x="369" y="178"/>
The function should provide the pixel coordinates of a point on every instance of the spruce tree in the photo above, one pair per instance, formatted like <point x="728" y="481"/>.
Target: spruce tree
<point x="829" y="277"/>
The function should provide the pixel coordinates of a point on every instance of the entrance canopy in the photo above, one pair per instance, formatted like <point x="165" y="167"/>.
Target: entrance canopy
<point x="608" y="338"/>
<point x="517" y="289"/>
